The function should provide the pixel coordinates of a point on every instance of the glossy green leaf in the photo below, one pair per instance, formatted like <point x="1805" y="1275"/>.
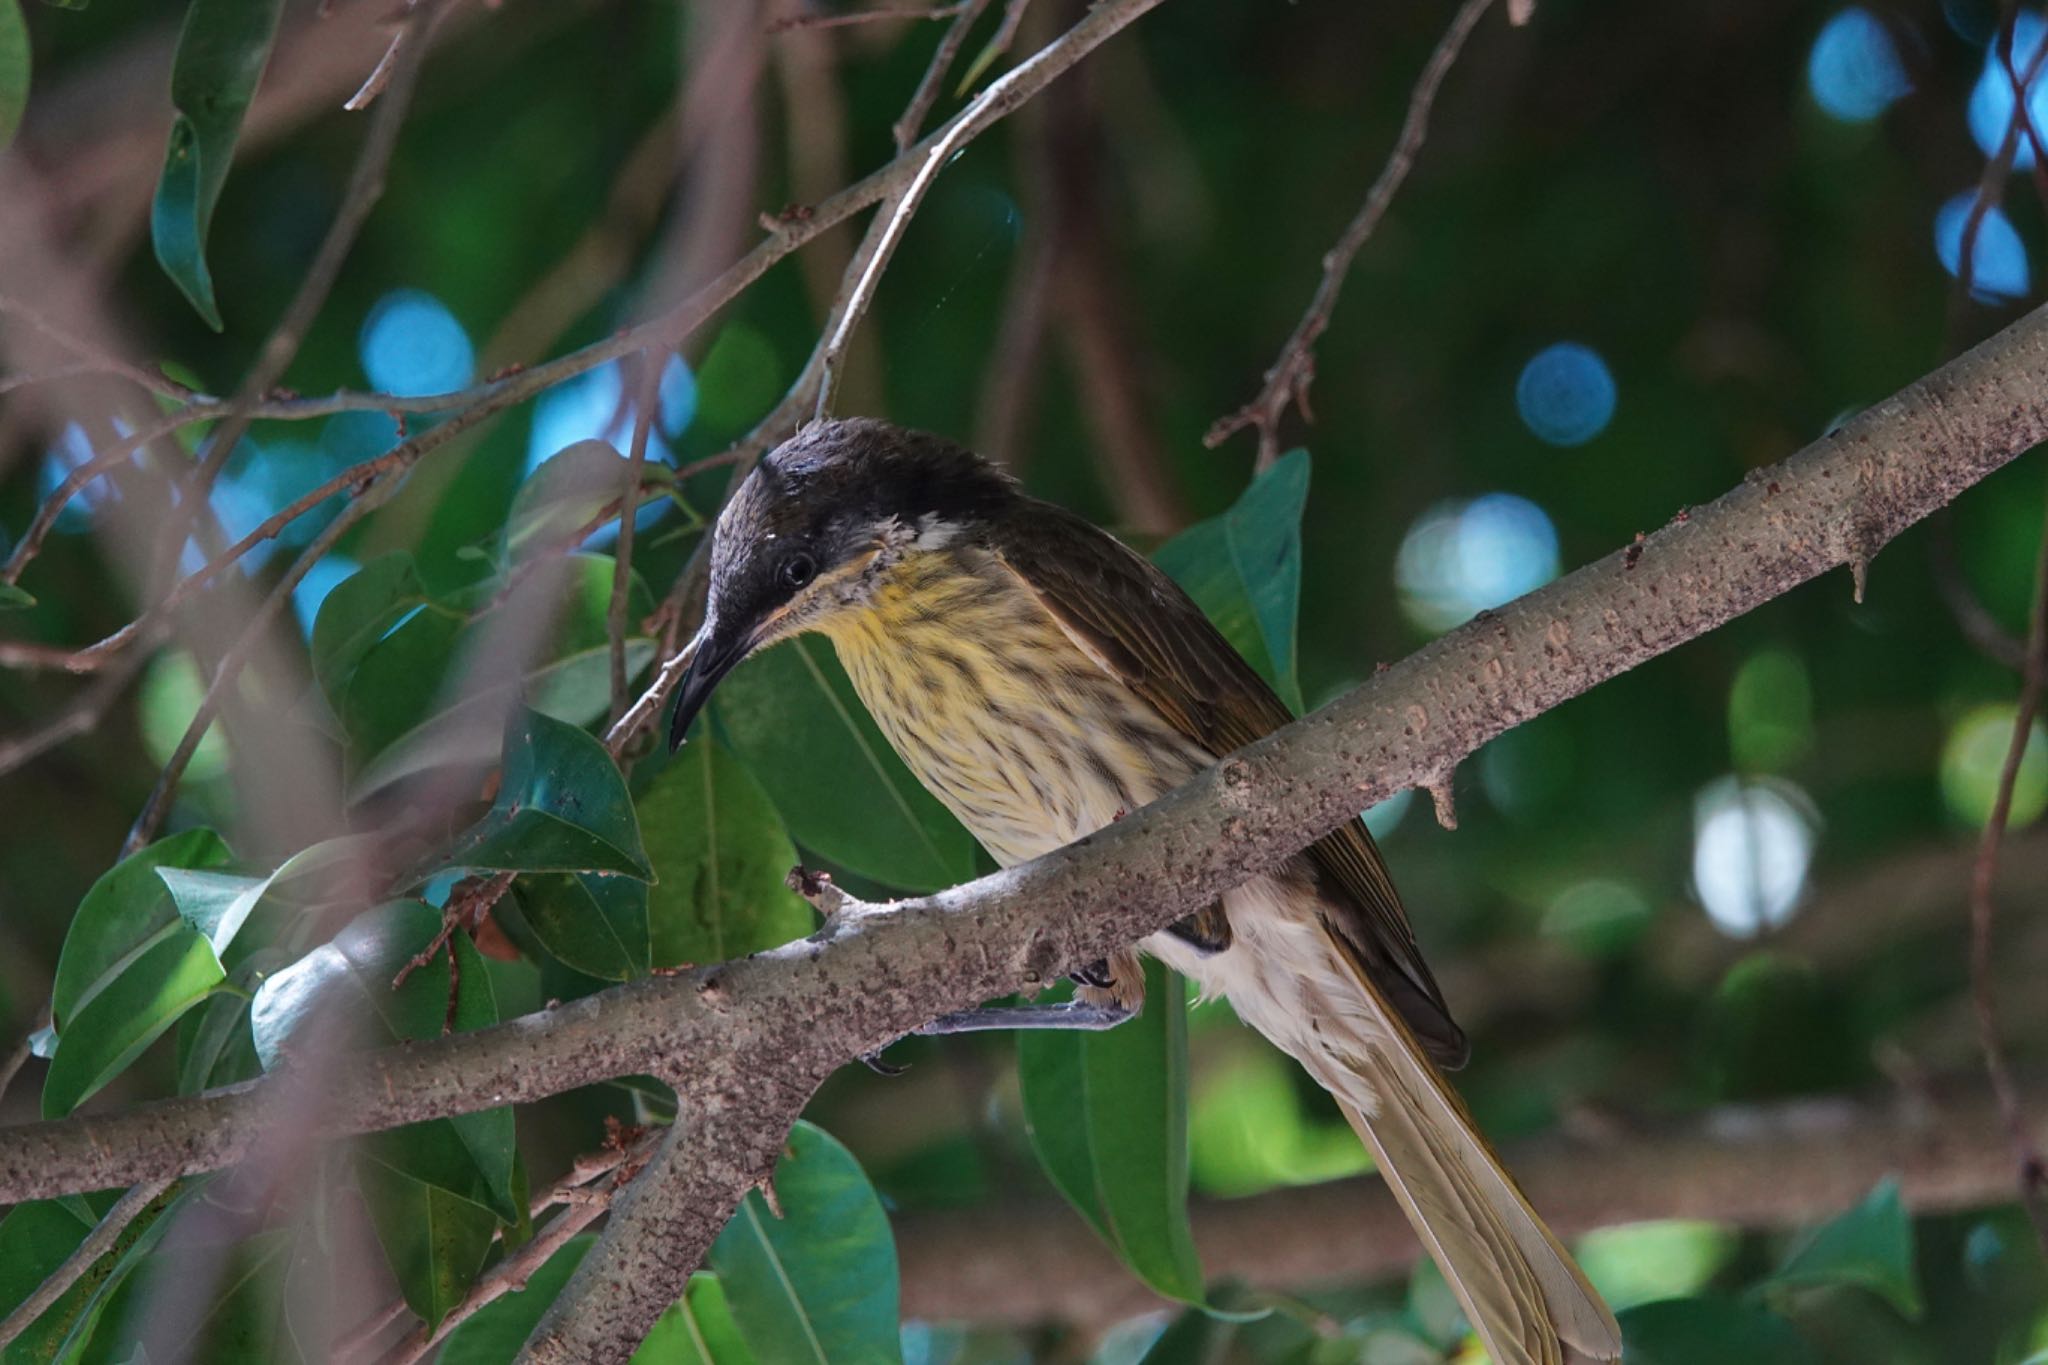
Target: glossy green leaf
<point x="1709" y="1331"/>
<point x="593" y="922"/>
<point x="435" y="1241"/>
<point x="222" y="50"/>
<point x="112" y="1276"/>
<point x="14" y="76"/>
<point x="218" y="904"/>
<point x="792" y="717"/>
<point x="126" y="908"/>
<point x="494" y="1334"/>
<point x="1870" y="1247"/>
<point x="116" y="1022"/>
<point x="697" y="1329"/>
<point x="397" y="685"/>
<point x="818" y="1284"/>
<point x="562" y="807"/>
<point x="357" y="613"/>
<point x="1244" y="569"/>
<point x="468" y="1155"/>
<point x="721" y="860"/>
<point x="1107" y="1114"/>
<point x="35" y="1238"/>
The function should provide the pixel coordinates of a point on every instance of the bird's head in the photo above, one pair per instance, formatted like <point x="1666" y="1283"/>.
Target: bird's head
<point x="815" y="528"/>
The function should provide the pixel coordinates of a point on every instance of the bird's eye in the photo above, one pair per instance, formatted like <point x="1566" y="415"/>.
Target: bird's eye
<point x="797" y="571"/>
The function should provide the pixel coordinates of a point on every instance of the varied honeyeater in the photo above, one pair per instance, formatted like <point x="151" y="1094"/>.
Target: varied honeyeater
<point x="1042" y="680"/>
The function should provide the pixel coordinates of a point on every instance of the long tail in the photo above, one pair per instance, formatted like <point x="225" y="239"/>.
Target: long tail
<point x="1525" y="1296"/>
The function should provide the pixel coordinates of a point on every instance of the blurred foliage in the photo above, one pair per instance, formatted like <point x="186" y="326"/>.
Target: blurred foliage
<point x="1647" y="250"/>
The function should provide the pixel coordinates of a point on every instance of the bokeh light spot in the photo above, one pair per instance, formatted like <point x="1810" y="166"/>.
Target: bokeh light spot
<point x="171" y="692"/>
<point x="73" y="451"/>
<point x="1752" y="848"/>
<point x="1668" y="1259"/>
<point x="1382" y="819"/>
<point x="327" y="573"/>
<point x="1566" y="394"/>
<point x="1993" y="99"/>
<point x="1973" y="759"/>
<point x="411" y="345"/>
<point x="592" y="407"/>
<point x="1462" y="558"/>
<point x="1598" y="916"/>
<point x="1854" y="69"/>
<point x="1998" y="258"/>
<point x="1770" y="712"/>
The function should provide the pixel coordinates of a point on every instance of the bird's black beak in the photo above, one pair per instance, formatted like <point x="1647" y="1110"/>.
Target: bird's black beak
<point x="718" y="652"/>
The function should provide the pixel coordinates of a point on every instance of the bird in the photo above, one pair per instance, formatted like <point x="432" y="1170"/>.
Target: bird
<point x="1043" y="679"/>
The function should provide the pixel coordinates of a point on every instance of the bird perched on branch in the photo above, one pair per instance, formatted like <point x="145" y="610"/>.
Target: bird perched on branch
<point x="1042" y="680"/>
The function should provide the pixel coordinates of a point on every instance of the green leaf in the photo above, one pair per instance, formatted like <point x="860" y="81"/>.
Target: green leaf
<point x="357" y="613"/>
<point x="1243" y="568"/>
<point x="114" y="1026"/>
<point x="35" y="1239"/>
<point x="592" y="922"/>
<point x="792" y="717"/>
<point x="112" y="1273"/>
<point x="435" y="1241"/>
<point x="820" y="1282"/>
<point x="697" y="1329"/>
<point x="721" y="860"/>
<point x="562" y="807"/>
<point x="12" y="597"/>
<point x="222" y="50"/>
<point x="218" y="904"/>
<point x="1870" y="1246"/>
<point x="468" y="1155"/>
<point x="568" y="490"/>
<point x="494" y="1334"/>
<point x="125" y="909"/>
<point x="1107" y="1114"/>
<point x="1709" y="1331"/>
<point x="14" y="74"/>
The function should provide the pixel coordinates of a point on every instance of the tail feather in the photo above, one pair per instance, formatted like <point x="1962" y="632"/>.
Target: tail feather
<point x="1525" y="1296"/>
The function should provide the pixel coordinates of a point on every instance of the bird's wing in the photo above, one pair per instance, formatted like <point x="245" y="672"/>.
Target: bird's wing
<point x="1140" y="624"/>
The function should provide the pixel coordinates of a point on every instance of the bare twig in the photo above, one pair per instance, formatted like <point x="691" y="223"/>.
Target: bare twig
<point x="583" y="1196"/>
<point x="629" y="512"/>
<point x="2033" y="1172"/>
<point x="1287" y="382"/>
<point x="92" y="359"/>
<point x="79" y="716"/>
<point x="867" y="16"/>
<point x="96" y="1244"/>
<point x="907" y="127"/>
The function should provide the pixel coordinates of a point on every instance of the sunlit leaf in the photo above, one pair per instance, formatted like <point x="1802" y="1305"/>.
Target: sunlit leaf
<point x="1107" y="1114"/>
<point x="124" y="909"/>
<point x="1709" y="1331"/>
<point x="1870" y="1246"/>
<point x="115" y="1023"/>
<point x="792" y="717"/>
<point x="819" y="1283"/>
<point x="696" y="1329"/>
<point x="1243" y="568"/>
<point x="218" y="904"/>
<point x="222" y="50"/>
<point x="14" y="76"/>
<point x="563" y="807"/>
<point x="720" y="859"/>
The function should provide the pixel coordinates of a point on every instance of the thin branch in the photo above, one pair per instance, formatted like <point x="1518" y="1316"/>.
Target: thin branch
<point x="584" y="1198"/>
<point x="629" y="513"/>
<point x="2033" y="1172"/>
<point x="1769" y="1166"/>
<point x="907" y="127"/>
<point x="96" y="1244"/>
<point x="92" y="359"/>
<point x="867" y="16"/>
<point x="79" y="716"/>
<point x="1287" y="382"/>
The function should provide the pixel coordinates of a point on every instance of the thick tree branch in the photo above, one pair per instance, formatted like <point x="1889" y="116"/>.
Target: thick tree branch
<point x="746" y="1041"/>
<point x="1775" y="1166"/>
